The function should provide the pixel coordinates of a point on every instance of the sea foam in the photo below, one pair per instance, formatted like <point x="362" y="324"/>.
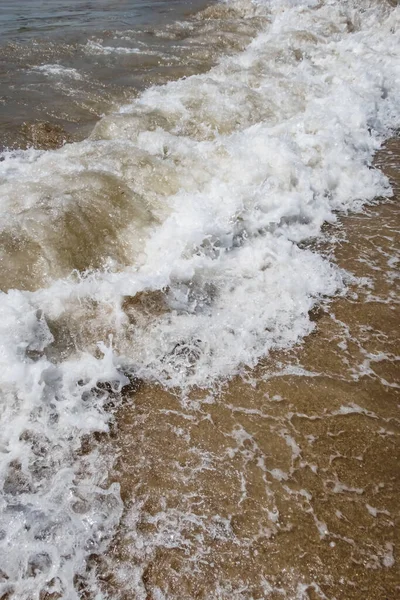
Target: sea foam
<point x="171" y="246"/>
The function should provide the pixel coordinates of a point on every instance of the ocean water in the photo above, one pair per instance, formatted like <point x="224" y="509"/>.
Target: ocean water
<point x="71" y="62"/>
<point x="27" y="19"/>
<point x="178" y="245"/>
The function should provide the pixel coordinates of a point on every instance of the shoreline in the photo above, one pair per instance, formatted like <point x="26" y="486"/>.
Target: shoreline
<point x="174" y="244"/>
<point x="265" y="485"/>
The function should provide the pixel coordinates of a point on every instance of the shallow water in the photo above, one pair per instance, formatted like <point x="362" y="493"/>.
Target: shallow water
<point x="198" y="236"/>
<point x="25" y="19"/>
<point x="70" y="62"/>
<point x="284" y="484"/>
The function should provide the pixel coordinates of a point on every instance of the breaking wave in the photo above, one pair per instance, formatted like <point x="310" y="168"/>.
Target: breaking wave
<point x="171" y="246"/>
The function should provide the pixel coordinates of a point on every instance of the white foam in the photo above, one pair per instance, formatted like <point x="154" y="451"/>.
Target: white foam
<point x="93" y="47"/>
<point x="207" y="185"/>
<point x="57" y="70"/>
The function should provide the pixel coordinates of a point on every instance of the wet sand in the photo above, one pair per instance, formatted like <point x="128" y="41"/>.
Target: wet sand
<point x="285" y="484"/>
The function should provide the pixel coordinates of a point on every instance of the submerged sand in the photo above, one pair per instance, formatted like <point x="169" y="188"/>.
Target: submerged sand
<point x="285" y="484"/>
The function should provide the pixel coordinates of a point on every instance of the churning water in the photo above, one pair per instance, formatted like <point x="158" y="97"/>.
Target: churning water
<point x="175" y="245"/>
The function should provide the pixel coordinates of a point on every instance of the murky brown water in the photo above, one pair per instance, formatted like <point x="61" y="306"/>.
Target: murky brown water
<point x="69" y="78"/>
<point x="285" y="485"/>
